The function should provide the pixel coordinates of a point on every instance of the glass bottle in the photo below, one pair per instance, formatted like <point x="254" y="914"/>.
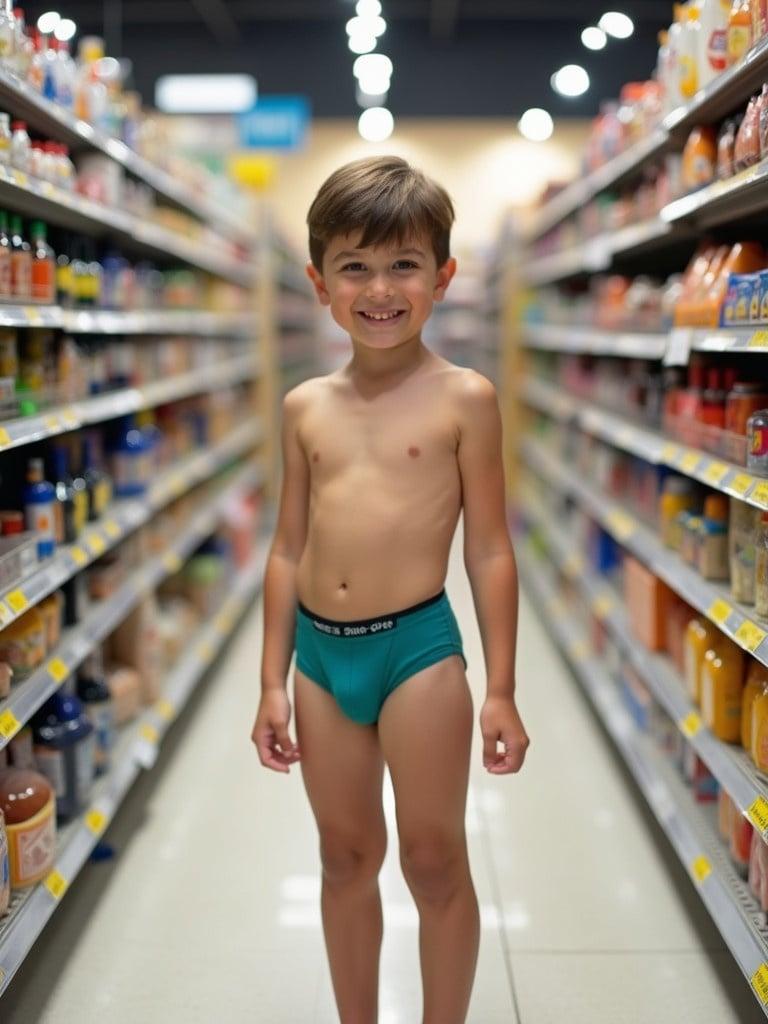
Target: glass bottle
<point x="43" y="265"/>
<point x="6" y="286"/>
<point x="21" y="263"/>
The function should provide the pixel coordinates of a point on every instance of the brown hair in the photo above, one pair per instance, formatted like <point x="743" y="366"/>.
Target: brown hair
<point x="386" y="199"/>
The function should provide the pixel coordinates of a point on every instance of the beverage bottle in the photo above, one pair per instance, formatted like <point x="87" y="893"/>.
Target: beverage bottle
<point x="688" y="54"/>
<point x="65" y="512"/>
<point x="39" y="508"/>
<point x="5" y="140"/>
<point x="65" y="73"/>
<point x="21" y="263"/>
<point x="43" y="265"/>
<point x="50" y="60"/>
<point x="6" y="288"/>
<point x="37" y="65"/>
<point x="98" y="484"/>
<point x="7" y="34"/>
<point x="739" y="30"/>
<point x="20" y="146"/>
<point x="713" y="55"/>
<point x="23" y="46"/>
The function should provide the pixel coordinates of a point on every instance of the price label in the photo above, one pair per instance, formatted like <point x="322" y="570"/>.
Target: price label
<point x="760" y="494"/>
<point x="96" y="543"/>
<point x="759" y="982"/>
<point x="56" y="884"/>
<point x="757" y="812"/>
<point x="719" y="611"/>
<point x="70" y="419"/>
<point x="690" y="725"/>
<point x="205" y="652"/>
<point x="21" y="179"/>
<point x="620" y="524"/>
<point x="79" y="557"/>
<point x="172" y="561"/>
<point x="17" y="601"/>
<point x="758" y="340"/>
<point x="177" y="485"/>
<point x="741" y="484"/>
<point x="112" y="529"/>
<point x="165" y="710"/>
<point x="9" y="724"/>
<point x="57" y="670"/>
<point x="95" y="821"/>
<point x="678" y="347"/>
<point x="749" y="635"/>
<point x="149" y="733"/>
<point x="670" y="453"/>
<point x="53" y="423"/>
<point x="715" y="473"/>
<point x="701" y="869"/>
<point x="602" y="606"/>
<point x="5" y="438"/>
<point x="689" y="461"/>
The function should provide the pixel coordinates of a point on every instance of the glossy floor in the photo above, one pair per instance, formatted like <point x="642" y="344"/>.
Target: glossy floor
<point x="209" y="911"/>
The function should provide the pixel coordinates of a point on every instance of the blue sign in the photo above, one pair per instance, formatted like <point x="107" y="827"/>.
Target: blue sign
<point x="276" y="122"/>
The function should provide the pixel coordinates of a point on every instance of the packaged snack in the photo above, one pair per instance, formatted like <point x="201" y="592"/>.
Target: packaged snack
<point x="746" y="151"/>
<point x="726" y="142"/>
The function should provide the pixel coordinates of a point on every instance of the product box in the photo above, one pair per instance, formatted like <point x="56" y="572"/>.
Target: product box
<point x="648" y="602"/>
<point x="763" y="314"/>
<point x="18" y="558"/>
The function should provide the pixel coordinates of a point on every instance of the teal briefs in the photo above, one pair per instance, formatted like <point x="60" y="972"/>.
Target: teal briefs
<point x="360" y="663"/>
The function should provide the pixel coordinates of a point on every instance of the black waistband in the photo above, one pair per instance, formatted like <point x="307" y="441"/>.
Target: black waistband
<point x="367" y="623"/>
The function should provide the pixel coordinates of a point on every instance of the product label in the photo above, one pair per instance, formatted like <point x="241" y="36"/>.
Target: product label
<point x="739" y="41"/>
<point x="21" y="275"/>
<point x="717" y="49"/>
<point x="32" y="846"/>
<point x="749" y="635"/>
<point x="41" y="520"/>
<point x="741" y="483"/>
<point x="51" y="764"/>
<point x="701" y="869"/>
<point x="759" y="442"/>
<point x="757" y="812"/>
<point x="759" y="982"/>
<point x="85" y="762"/>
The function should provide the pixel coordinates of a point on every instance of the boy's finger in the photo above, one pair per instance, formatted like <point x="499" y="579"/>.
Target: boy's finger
<point x="284" y="740"/>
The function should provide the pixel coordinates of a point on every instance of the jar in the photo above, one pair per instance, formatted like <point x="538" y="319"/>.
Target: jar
<point x="678" y="495"/>
<point x="757" y="442"/>
<point x="29" y="808"/>
<point x="713" y="539"/>
<point x="761" y="567"/>
<point x="757" y="680"/>
<point x="700" y="635"/>
<point x="742" y="536"/>
<point x="722" y="682"/>
<point x="745" y="398"/>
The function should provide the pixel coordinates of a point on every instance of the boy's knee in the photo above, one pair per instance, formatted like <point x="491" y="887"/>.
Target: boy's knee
<point x="434" y="865"/>
<point x="347" y="860"/>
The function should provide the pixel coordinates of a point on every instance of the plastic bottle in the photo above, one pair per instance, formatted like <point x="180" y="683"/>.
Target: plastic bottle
<point x="713" y="547"/>
<point x="64" y="751"/>
<point x="688" y="59"/>
<point x="7" y="34"/>
<point x="21" y="263"/>
<point x="742" y="540"/>
<point x="37" y="66"/>
<point x="757" y="681"/>
<point x="739" y="30"/>
<point x="674" y="98"/>
<point x="679" y="494"/>
<point x="722" y="684"/>
<point x="131" y="460"/>
<point x="6" y="281"/>
<point x="713" y="54"/>
<point x="50" y="60"/>
<point x="759" y="731"/>
<point x="65" y="73"/>
<point x="700" y="158"/>
<point x="5" y="869"/>
<point x="761" y="566"/>
<point x="20" y="146"/>
<point x="39" y="508"/>
<point x="5" y="140"/>
<point x="43" y="265"/>
<point x="23" y="46"/>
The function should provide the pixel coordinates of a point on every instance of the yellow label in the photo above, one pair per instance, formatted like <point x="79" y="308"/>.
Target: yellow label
<point x="719" y="611"/>
<point x="620" y="524"/>
<point x="757" y="812"/>
<point x="177" y="485"/>
<point x="95" y="821"/>
<point x="691" y="724"/>
<point x="670" y="453"/>
<point x="749" y="635"/>
<point x="741" y="483"/>
<point x="149" y="733"/>
<point x="165" y="709"/>
<point x="96" y="543"/>
<point x="17" y="600"/>
<point x="760" y="494"/>
<point x="9" y="724"/>
<point x="760" y="983"/>
<point x="57" y="670"/>
<point x="112" y="529"/>
<point x="21" y="178"/>
<point x="56" y="884"/>
<point x="5" y="437"/>
<point x="172" y="562"/>
<point x="579" y="650"/>
<point x="602" y="606"/>
<point x="205" y="652"/>
<point x="573" y="565"/>
<point x="79" y="557"/>
<point x="701" y="869"/>
<point x="689" y="461"/>
<point x="70" y="418"/>
<point x="759" y="340"/>
<point x="715" y="473"/>
<point x="53" y="423"/>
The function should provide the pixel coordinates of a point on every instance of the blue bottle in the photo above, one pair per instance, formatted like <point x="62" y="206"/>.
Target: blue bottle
<point x="64" y="751"/>
<point x="40" y="508"/>
<point x="131" y="460"/>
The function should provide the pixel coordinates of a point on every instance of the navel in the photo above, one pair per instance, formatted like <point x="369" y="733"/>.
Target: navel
<point x="414" y="452"/>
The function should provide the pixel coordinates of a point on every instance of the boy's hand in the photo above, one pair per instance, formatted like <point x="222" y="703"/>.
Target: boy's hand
<point x="270" y="732"/>
<point x="500" y="721"/>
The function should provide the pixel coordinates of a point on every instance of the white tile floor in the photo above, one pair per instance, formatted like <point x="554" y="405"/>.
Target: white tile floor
<point x="209" y="912"/>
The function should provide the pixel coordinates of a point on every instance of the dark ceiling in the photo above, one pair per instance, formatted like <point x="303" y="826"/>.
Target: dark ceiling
<point x="464" y="58"/>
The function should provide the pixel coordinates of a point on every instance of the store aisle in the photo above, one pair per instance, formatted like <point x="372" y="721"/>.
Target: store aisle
<point x="210" y="910"/>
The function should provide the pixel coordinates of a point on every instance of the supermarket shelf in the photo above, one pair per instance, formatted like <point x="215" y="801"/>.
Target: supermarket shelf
<point x="22" y="101"/>
<point x="711" y="470"/>
<point x="40" y="199"/>
<point x="561" y="338"/>
<point x="137" y="749"/>
<point x="712" y="600"/>
<point x="107" y="321"/>
<point x="686" y="824"/>
<point x="124" y="517"/>
<point x="104" y="617"/>
<point x="59" y="420"/>
<point x="723" y="202"/>
<point x="727" y="762"/>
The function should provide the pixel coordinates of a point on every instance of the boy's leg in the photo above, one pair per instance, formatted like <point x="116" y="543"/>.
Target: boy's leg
<point x="425" y="730"/>
<point x="343" y="771"/>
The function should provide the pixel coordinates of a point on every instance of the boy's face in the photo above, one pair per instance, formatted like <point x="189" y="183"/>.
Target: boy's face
<point x="381" y="295"/>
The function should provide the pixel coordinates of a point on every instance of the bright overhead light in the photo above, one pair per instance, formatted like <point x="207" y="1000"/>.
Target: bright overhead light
<point x="536" y="125"/>
<point x="570" y="80"/>
<point x="65" y="30"/>
<point x="361" y="43"/>
<point x="47" y="22"/>
<point x="366" y="26"/>
<point x="376" y="124"/>
<point x="366" y="100"/>
<point x="373" y="65"/>
<point x="616" y="24"/>
<point x="205" y="94"/>
<point x="594" y="38"/>
<point x="374" y="86"/>
<point x="368" y="8"/>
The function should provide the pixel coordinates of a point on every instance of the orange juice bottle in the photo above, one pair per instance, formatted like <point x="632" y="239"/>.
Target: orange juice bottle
<point x="739" y="30"/>
<point x="722" y="683"/>
<point x="759" y="749"/>
<point x="757" y="681"/>
<point x="700" y="635"/>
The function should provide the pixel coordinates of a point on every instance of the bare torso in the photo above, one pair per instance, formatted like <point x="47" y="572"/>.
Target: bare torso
<point x="385" y="492"/>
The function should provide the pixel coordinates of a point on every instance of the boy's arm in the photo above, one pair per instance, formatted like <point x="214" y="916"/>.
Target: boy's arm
<point x="488" y="554"/>
<point x="280" y="595"/>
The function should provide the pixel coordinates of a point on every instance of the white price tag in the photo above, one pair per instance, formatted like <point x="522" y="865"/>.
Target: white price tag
<point x="678" y="346"/>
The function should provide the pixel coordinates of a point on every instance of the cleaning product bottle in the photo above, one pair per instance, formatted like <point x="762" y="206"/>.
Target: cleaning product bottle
<point x="700" y="635"/>
<point x="39" y="508"/>
<point x="713" y="39"/>
<point x="722" y="684"/>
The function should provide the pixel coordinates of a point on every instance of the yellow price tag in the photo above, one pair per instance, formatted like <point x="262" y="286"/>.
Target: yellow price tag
<point x="749" y="635"/>
<point x="165" y="709"/>
<point x="172" y="562"/>
<point x="96" y="543"/>
<point x="670" y="453"/>
<point x="79" y="557"/>
<point x="757" y="812"/>
<point x="759" y="982"/>
<point x="53" y="423"/>
<point x="691" y="724"/>
<point x="96" y="821"/>
<point x="57" y="670"/>
<point x="70" y="419"/>
<point x="149" y="733"/>
<point x="9" y="724"/>
<point x="579" y="650"/>
<point x="689" y="461"/>
<point x="760" y="493"/>
<point x="715" y="473"/>
<point x="205" y="652"/>
<point x="17" y="600"/>
<point x="573" y="565"/>
<point x="5" y="438"/>
<point x="21" y="179"/>
<point x="719" y="611"/>
<point x="620" y="524"/>
<point x="112" y="529"/>
<point x="602" y="606"/>
<point x="177" y="485"/>
<point x="759" y="340"/>
<point x="741" y="483"/>
<point x="701" y="869"/>
<point x="56" y="884"/>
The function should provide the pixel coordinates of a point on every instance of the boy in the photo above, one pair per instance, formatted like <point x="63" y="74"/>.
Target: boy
<point x="379" y="458"/>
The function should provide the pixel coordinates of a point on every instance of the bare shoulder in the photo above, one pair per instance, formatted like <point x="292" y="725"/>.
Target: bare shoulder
<point x="303" y="395"/>
<point x="472" y="393"/>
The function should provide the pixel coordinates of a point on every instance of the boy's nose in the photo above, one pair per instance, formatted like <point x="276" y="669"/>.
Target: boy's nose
<point x="379" y="287"/>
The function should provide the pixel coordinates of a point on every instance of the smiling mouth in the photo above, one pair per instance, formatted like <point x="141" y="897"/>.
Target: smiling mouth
<point x="384" y="316"/>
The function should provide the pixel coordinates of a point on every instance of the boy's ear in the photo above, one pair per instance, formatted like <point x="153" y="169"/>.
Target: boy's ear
<point x="444" y="278"/>
<point x="318" y="283"/>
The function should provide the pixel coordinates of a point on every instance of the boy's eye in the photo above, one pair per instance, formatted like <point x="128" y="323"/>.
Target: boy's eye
<point x="405" y="265"/>
<point x="353" y="267"/>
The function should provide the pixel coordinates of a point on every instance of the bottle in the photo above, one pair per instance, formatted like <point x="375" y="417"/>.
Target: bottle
<point x="688" y="56"/>
<point x="742" y="540"/>
<point x="713" y="407"/>
<point x="64" y="751"/>
<point x="98" y="484"/>
<point x="722" y="683"/>
<point x="7" y="34"/>
<point x="39" y="508"/>
<point x="713" y="532"/>
<point x="675" y="98"/>
<point x="700" y="158"/>
<point x="65" y="513"/>
<point x="759" y="20"/>
<point x="739" y="30"/>
<point x="21" y="263"/>
<point x="20" y="146"/>
<point x="93" y="691"/>
<point x="64" y="286"/>
<point x="43" y="265"/>
<point x="757" y="680"/>
<point x="6" y="275"/>
<point x="28" y="804"/>
<point x="131" y="460"/>
<point x="66" y="74"/>
<point x="5" y="869"/>
<point x="23" y="46"/>
<point x="761" y="566"/>
<point x="759" y="731"/>
<point x="50" y="59"/>
<point x="713" y="39"/>
<point x="5" y="140"/>
<point x="37" y="65"/>
<point x="679" y="494"/>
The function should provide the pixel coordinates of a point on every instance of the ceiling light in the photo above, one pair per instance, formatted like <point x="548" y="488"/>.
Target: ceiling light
<point x="205" y="94"/>
<point x="373" y="65"/>
<point x="536" y="125"/>
<point x="65" y="30"/>
<point x="366" y="26"/>
<point x="47" y="22"/>
<point x="570" y="80"/>
<point x="374" y="86"/>
<point x="366" y="100"/>
<point x="616" y="24"/>
<point x="368" y="8"/>
<point x="376" y="124"/>
<point x="362" y="43"/>
<point x="594" y="38"/>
